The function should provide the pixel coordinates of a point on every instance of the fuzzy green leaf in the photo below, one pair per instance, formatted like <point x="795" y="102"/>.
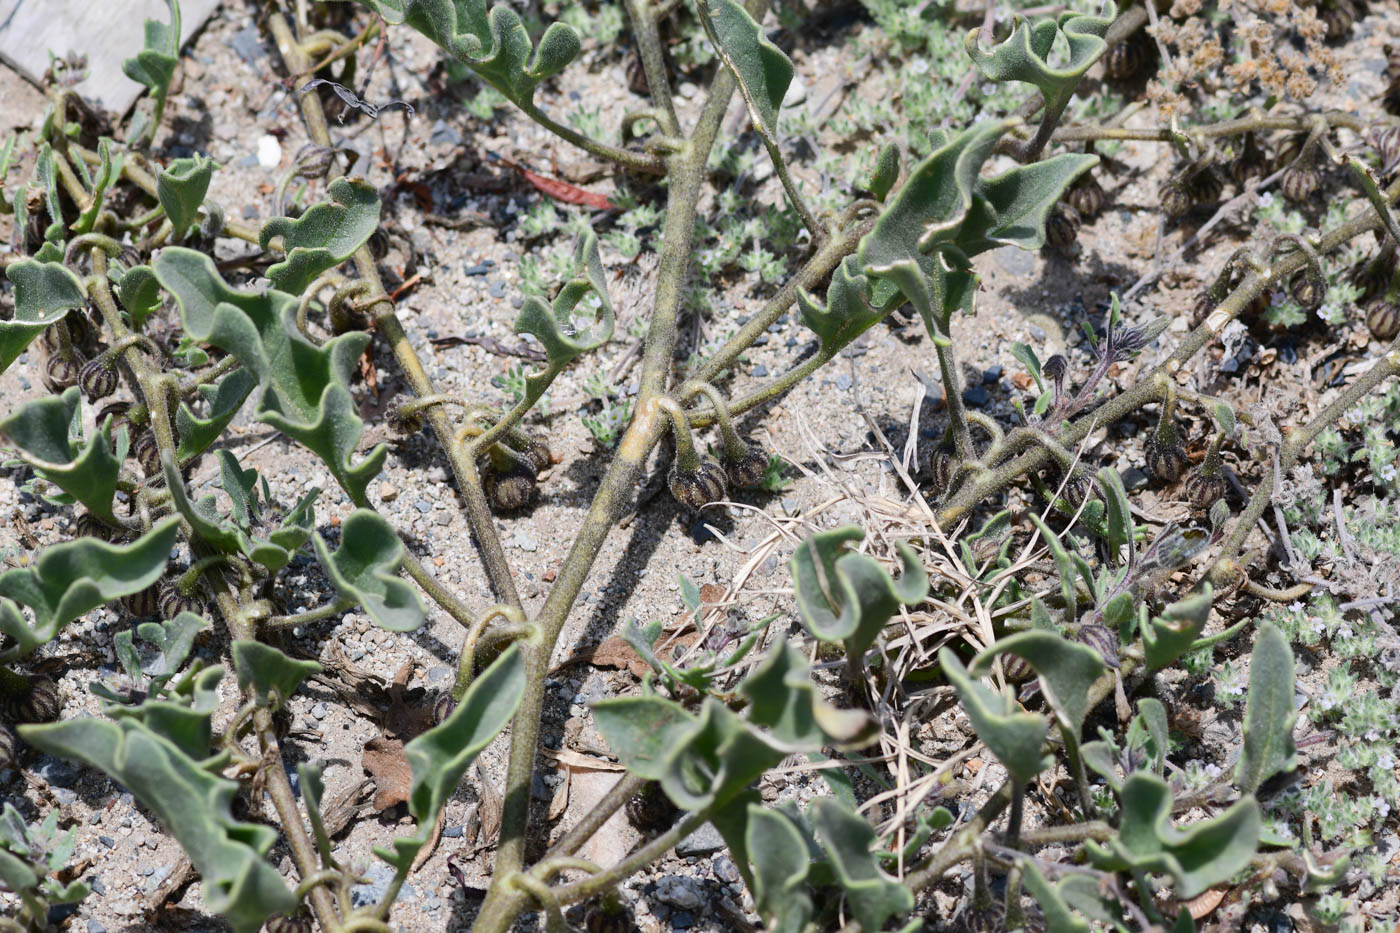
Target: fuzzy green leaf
<point x="885" y="173"/>
<point x="313" y="788"/>
<point x="272" y="675"/>
<point x="1056" y="913"/>
<point x="440" y="756"/>
<point x="139" y="293"/>
<point x="323" y="237"/>
<point x="848" y="312"/>
<point x="1064" y="565"/>
<point x="222" y="402"/>
<point x="154" y="65"/>
<point x="75" y="577"/>
<point x="1013" y="736"/>
<point x="305" y="388"/>
<point x="173" y="638"/>
<point x="109" y="172"/>
<point x="1270" y="712"/>
<point x="1012" y="208"/>
<point x="1202" y="855"/>
<point x="1067" y="670"/>
<point x="555" y="326"/>
<point x="1169" y="636"/>
<point x="762" y="70"/>
<point x="873" y="896"/>
<point x="193" y="804"/>
<point x="1025" y="54"/>
<point x="496" y="45"/>
<point x="87" y="471"/>
<point x="181" y="188"/>
<point x="777" y="852"/>
<point x="783" y="700"/>
<point x="637" y="729"/>
<point x="1120" y="515"/>
<point x="364" y="568"/>
<point x="1153" y="716"/>
<point x="846" y="596"/>
<point x="44" y="293"/>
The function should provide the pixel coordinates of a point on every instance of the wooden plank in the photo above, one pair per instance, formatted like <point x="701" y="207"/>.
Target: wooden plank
<point x="108" y="32"/>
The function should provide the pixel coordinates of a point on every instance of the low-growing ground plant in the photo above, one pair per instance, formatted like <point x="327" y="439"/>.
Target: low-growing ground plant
<point x="1072" y="608"/>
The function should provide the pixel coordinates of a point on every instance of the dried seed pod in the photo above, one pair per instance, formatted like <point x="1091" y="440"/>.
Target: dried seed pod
<point x="299" y="922"/>
<point x="404" y="420"/>
<point x="1204" y="489"/>
<point x="1175" y="198"/>
<point x="538" y="453"/>
<point x="1383" y="318"/>
<point x="600" y="919"/>
<point x="941" y="467"/>
<point x="147" y="452"/>
<point x="1062" y="227"/>
<point x="1055" y="368"/>
<point x="9" y="748"/>
<point x="1101" y="640"/>
<point x="143" y="604"/>
<point x="699" y="487"/>
<point x="513" y="488"/>
<point x="313" y="161"/>
<point x="1251" y="162"/>
<point x="443" y="707"/>
<point x="38" y="703"/>
<point x="1308" y="290"/>
<point x="1129" y="59"/>
<point x="1166" y="461"/>
<point x="650" y="810"/>
<point x="1015" y="667"/>
<point x="97" y="379"/>
<point x="88" y="525"/>
<point x="1387" y="143"/>
<point x="172" y="602"/>
<point x="1373" y="277"/>
<point x="1300" y="182"/>
<point x="1204" y="185"/>
<point x="1086" y="197"/>
<point x="61" y="371"/>
<point x="1339" y="16"/>
<point x="748" y="469"/>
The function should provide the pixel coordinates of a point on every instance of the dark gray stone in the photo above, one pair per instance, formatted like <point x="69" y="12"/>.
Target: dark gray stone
<point x="247" y="42"/>
<point x="976" y="396"/>
<point x="703" y="841"/>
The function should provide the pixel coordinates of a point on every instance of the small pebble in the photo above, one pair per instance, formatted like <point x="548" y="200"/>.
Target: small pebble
<point x="319" y="711"/>
<point x="269" y="152"/>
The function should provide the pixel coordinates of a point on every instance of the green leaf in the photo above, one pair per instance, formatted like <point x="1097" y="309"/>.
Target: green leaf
<point x="885" y="173"/>
<point x="109" y="172"/>
<point x="1013" y="736"/>
<point x="1064" y="565"/>
<point x="47" y="176"/>
<point x="637" y="729"/>
<point x="496" y="46"/>
<point x="154" y="65"/>
<point x="440" y="756"/>
<point x="554" y="325"/>
<point x="1067" y="671"/>
<point x="778" y="855"/>
<point x="181" y="188"/>
<point x="1170" y="635"/>
<point x="1153" y="716"/>
<point x="44" y="293"/>
<point x="1028" y="359"/>
<point x="305" y="388"/>
<point x="1270" y="712"/>
<point x="846" y="596"/>
<point x="364" y="568"/>
<point x="192" y="804"/>
<point x="139" y="293"/>
<point x="873" y="896"/>
<point x="783" y="700"/>
<point x="1120" y="516"/>
<point x="1012" y="208"/>
<point x="72" y="578"/>
<point x="313" y="788"/>
<point x="762" y="70"/>
<point x="848" y="311"/>
<point x="1098" y="756"/>
<point x="323" y="237"/>
<point x="1056" y="913"/>
<point x="272" y="675"/>
<point x="714" y="757"/>
<point x="222" y="401"/>
<point x="1202" y="855"/>
<point x="173" y="638"/>
<point x="39" y="429"/>
<point x="1024" y="56"/>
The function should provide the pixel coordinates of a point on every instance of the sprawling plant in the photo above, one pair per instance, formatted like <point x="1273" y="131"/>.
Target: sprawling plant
<point x="115" y="253"/>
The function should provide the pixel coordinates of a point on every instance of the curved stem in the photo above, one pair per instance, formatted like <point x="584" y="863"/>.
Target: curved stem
<point x="687" y="460"/>
<point x="319" y="614"/>
<point x="734" y="446"/>
<point x="640" y="161"/>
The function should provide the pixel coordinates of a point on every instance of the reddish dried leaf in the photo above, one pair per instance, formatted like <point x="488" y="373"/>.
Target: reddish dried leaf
<point x="712" y="594"/>
<point x="384" y="760"/>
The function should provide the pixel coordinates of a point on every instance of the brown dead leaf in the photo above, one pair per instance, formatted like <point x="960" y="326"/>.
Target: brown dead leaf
<point x="1202" y="904"/>
<point x="560" y="801"/>
<point x="1022" y="381"/>
<point x="614" y="652"/>
<point x="712" y="594"/>
<point x="383" y="758"/>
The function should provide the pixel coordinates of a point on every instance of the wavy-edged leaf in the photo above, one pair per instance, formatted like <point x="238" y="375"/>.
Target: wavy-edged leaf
<point x="222" y="402"/>
<point x="364" y="568"/>
<point x="777" y="852"/>
<point x="783" y="700"/>
<point x="154" y="65"/>
<point x="1064" y="567"/>
<point x="1012" y="208"/>
<point x="193" y="805"/>
<point x="1120" y="515"/>
<point x="47" y="176"/>
<point x="848" y="312"/>
<point x="762" y="70"/>
<point x="87" y="471"/>
<point x="1168" y="636"/>
<point x="846" y="596"/>
<point x="44" y="293"/>
<point x="637" y="729"/>
<point x="1197" y="857"/>
<point x="181" y="187"/>
<point x="1025" y="54"/>
<point x="173" y="638"/>
<point x="496" y="45"/>
<point x="1013" y="736"/>
<point x="69" y="579"/>
<point x="109" y="171"/>
<point x="139" y="293"/>
<point x="440" y="756"/>
<point x="1055" y="912"/>
<point x="323" y="237"/>
<point x="714" y="757"/>
<point x="272" y="676"/>
<point x="305" y="388"/>
<point x="554" y="325"/>
<point x="1270" y="712"/>
<point x="1153" y="717"/>
<point x="873" y="896"/>
<point x="1067" y="670"/>
<point x="885" y="173"/>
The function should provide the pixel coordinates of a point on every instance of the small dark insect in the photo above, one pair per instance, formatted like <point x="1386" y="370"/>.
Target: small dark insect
<point x="351" y="99"/>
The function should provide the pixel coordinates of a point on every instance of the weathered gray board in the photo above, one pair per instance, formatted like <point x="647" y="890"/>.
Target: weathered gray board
<point x="108" y="31"/>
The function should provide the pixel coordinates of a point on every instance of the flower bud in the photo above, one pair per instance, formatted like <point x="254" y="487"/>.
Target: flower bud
<point x="699" y="487"/>
<point x="1166" y="461"/>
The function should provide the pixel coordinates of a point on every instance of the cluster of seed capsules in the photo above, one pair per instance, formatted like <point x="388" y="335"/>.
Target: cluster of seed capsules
<point x="24" y="699"/>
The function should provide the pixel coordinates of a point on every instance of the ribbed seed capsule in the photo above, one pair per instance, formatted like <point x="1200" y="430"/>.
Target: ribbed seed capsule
<point x="699" y="487"/>
<point x="747" y="470"/>
<point x="1062" y="227"/>
<point x="513" y="489"/>
<point x="1086" y="197"/>
<point x="403" y="420"/>
<point x="538" y="453"/>
<point x="9" y="748"/>
<point x="39" y="703"/>
<point x="97" y="379"/>
<point x="1300" y="179"/>
<point x="1204" y="490"/>
<point x="1127" y="60"/>
<point x="1383" y="318"/>
<point x="941" y="467"/>
<point x="1307" y="290"/>
<point x="650" y="810"/>
<point x="1339" y="17"/>
<point x="172" y="602"/>
<point x="1390" y="100"/>
<point x="88" y="525"/>
<point x="1372" y="277"/>
<point x="1175" y="197"/>
<point x="143" y="604"/>
<point x="1167" y="462"/>
<point x="61" y="372"/>
<point x="1015" y="667"/>
<point x="601" y="920"/>
<point x="147" y="452"/>
<point x="1101" y="640"/>
<point x="443" y="707"/>
<point x="1204" y="185"/>
<point x="1387" y="143"/>
<point x="281" y="923"/>
<point x="1251" y="162"/>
